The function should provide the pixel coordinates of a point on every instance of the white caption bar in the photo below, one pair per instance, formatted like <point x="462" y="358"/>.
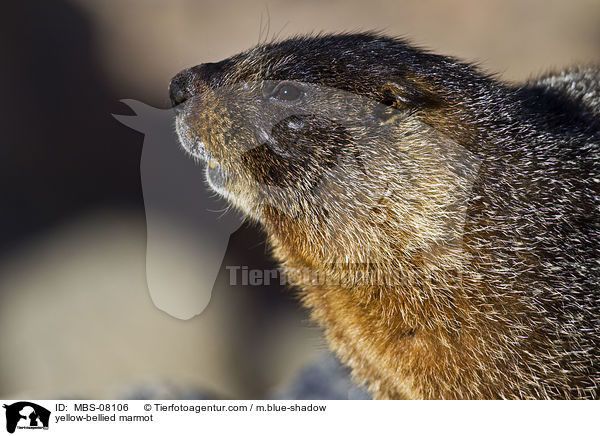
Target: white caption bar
<point x="158" y="417"/>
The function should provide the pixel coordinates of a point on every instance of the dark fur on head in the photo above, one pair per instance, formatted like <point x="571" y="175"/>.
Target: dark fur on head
<point x="367" y="159"/>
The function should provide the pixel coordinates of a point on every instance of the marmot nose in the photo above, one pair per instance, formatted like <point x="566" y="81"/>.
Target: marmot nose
<point x="190" y="82"/>
<point x="183" y="85"/>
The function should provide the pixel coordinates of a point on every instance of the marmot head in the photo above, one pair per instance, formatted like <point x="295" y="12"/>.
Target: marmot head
<point x="330" y="137"/>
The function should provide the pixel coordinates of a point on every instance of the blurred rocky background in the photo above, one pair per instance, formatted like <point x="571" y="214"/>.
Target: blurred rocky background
<point x="76" y="318"/>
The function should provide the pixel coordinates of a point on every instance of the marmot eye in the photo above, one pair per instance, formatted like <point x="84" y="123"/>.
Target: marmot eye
<point x="287" y="92"/>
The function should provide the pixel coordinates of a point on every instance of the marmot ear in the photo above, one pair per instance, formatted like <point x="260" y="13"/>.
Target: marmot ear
<point x="409" y="96"/>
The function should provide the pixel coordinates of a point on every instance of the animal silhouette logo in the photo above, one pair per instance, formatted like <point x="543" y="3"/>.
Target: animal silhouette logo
<point x="26" y="415"/>
<point x="180" y="212"/>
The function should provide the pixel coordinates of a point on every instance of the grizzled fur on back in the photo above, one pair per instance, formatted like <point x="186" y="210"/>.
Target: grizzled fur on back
<point x="364" y="158"/>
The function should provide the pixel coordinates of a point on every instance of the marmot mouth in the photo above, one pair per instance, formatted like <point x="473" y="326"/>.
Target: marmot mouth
<point x="211" y="163"/>
<point x="215" y="176"/>
<point x="198" y="150"/>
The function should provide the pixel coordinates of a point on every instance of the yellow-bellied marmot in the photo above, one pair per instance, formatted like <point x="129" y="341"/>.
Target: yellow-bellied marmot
<point x="443" y="227"/>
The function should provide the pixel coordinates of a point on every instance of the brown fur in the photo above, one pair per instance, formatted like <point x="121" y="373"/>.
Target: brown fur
<point x="451" y="239"/>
